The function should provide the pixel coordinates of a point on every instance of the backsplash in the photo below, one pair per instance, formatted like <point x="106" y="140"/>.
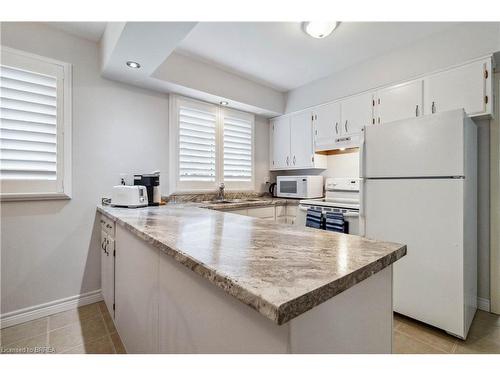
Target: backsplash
<point x="197" y="197"/>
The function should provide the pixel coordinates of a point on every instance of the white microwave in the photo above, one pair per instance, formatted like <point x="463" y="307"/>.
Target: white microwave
<point x="299" y="186"/>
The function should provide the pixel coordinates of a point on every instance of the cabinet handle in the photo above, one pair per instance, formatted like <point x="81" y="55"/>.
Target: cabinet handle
<point x="433" y="108"/>
<point x="336" y="128"/>
<point x="416" y="111"/>
<point x="345" y="126"/>
<point x="293" y="159"/>
<point x="287" y="158"/>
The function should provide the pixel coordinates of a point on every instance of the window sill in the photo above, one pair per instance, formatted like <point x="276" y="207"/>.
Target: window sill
<point x="33" y="197"/>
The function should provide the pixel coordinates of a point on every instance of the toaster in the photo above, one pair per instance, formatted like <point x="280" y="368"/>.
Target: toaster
<point x="129" y="196"/>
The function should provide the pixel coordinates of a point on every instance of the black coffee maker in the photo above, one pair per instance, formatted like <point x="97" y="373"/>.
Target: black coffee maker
<point x="152" y="183"/>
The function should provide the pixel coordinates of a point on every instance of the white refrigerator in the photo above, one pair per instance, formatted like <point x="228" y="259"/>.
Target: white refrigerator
<point x="419" y="187"/>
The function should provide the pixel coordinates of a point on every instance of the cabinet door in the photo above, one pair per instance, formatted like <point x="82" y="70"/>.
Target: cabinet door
<point x="281" y="142"/>
<point x="262" y="212"/>
<point x="356" y="113"/>
<point x="400" y="102"/>
<point x="327" y="127"/>
<point x="301" y="140"/>
<point x="136" y="297"/>
<point x="108" y="271"/>
<point x="462" y="87"/>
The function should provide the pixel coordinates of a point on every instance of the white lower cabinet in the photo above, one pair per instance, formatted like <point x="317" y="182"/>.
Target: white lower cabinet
<point x="284" y="214"/>
<point x="107" y="248"/>
<point x="136" y="299"/>
<point x="262" y="212"/>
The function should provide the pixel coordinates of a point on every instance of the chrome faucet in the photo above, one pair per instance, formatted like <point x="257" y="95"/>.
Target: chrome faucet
<point x="220" y="194"/>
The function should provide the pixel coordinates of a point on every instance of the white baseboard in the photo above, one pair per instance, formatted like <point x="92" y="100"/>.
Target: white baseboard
<point x="49" y="308"/>
<point x="483" y="304"/>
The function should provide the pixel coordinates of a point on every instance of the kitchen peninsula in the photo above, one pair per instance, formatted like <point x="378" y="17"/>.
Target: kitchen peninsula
<point x="193" y="280"/>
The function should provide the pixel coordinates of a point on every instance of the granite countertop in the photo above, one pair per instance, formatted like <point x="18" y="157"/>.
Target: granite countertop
<point x="277" y="269"/>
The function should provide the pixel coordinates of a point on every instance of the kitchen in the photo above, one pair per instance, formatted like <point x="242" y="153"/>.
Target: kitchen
<point x="276" y="195"/>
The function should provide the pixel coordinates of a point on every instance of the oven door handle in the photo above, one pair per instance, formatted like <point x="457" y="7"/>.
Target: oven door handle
<point x="303" y="208"/>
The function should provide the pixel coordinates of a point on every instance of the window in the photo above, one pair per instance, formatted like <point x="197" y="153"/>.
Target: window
<point x="35" y="127"/>
<point x="210" y="145"/>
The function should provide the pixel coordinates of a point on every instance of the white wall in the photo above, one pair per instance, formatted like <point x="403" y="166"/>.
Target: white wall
<point x="453" y="46"/>
<point x="261" y="153"/>
<point x="50" y="249"/>
<point x="448" y="48"/>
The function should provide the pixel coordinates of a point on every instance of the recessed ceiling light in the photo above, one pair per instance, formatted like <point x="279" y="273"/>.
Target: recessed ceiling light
<point x="319" y="29"/>
<point x="224" y="103"/>
<point x="133" y="64"/>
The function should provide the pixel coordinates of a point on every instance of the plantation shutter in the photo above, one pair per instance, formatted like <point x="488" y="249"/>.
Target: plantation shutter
<point x="35" y="127"/>
<point x="238" y="135"/>
<point x="197" y="143"/>
<point x="28" y="125"/>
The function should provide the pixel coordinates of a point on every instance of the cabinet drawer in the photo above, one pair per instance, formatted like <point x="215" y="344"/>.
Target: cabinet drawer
<point x="262" y="212"/>
<point x="108" y="226"/>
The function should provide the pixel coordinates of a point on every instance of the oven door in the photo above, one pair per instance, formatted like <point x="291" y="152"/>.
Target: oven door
<point x="351" y="216"/>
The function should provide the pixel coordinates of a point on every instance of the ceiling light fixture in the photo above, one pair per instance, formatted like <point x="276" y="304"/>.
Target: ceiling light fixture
<point x="319" y="29"/>
<point x="224" y="103"/>
<point x="133" y="64"/>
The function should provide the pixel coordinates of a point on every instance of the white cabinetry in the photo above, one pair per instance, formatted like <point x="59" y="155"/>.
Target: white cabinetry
<point x="292" y="143"/>
<point x="399" y="102"/>
<point x="108" y="263"/>
<point x="301" y="140"/>
<point x="136" y="299"/>
<point x="356" y="113"/>
<point x="467" y="86"/>
<point x="339" y="124"/>
<point x="280" y="140"/>
<point x="327" y="126"/>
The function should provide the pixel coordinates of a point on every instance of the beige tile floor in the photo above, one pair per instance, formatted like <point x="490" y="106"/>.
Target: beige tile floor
<point x="89" y="329"/>
<point x="412" y="337"/>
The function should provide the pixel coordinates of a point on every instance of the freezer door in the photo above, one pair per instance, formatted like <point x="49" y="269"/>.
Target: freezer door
<point x="427" y="216"/>
<point x="429" y="146"/>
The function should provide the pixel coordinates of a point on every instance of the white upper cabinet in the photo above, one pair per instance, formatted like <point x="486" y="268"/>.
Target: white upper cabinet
<point x="339" y="124"/>
<point x="301" y="140"/>
<point x="292" y="145"/>
<point x="467" y="86"/>
<point x="280" y="141"/>
<point x="399" y="102"/>
<point x="327" y="126"/>
<point x="356" y="113"/>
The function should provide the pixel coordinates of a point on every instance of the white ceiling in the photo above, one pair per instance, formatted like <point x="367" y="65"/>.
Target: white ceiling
<point x="88" y="30"/>
<point x="282" y="56"/>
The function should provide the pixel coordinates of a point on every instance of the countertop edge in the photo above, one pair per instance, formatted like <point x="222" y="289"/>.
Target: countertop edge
<point x="256" y="302"/>
<point x="278" y="314"/>
<point x="287" y="311"/>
